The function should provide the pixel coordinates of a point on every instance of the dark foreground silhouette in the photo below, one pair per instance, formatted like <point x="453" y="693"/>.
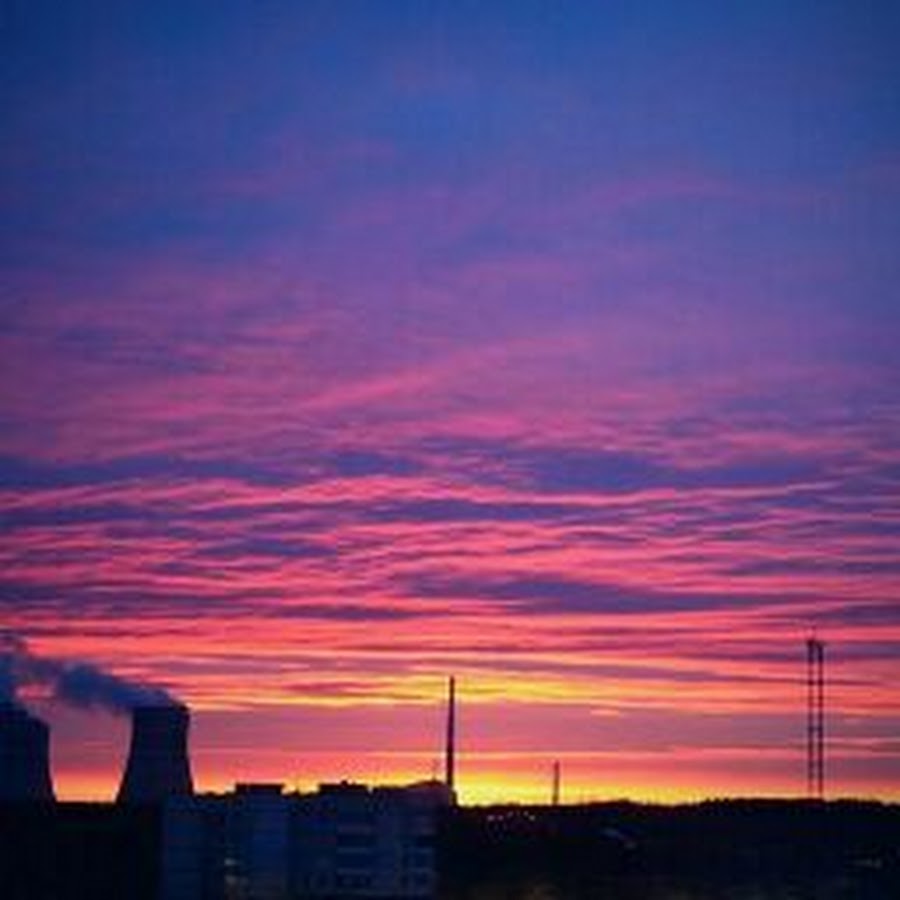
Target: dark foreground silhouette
<point x="724" y="850"/>
<point x="733" y="850"/>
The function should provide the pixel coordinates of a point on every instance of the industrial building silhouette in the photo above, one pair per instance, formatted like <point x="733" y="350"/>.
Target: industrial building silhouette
<point x="158" y="765"/>
<point x="344" y="841"/>
<point x="24" y="756"/>
<point x="161" y="841"/>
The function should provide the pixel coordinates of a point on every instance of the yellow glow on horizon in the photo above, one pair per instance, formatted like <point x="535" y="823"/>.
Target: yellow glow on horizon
<point x="486" y="779"/>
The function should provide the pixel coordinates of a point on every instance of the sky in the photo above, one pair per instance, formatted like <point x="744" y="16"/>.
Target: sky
<point x="345" y="346"/>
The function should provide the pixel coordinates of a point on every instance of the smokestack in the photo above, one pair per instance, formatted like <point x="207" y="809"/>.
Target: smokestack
<point x="158" y="766"/>
<point x="24" y="756"/>
<point x="450" y="750"/>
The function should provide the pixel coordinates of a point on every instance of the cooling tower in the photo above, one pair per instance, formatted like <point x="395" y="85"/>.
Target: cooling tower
<point x="158" y="765"/>
<point x="24" y="756"/>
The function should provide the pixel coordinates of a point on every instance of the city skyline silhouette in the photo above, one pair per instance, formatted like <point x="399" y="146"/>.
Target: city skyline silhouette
<point x="348" y="346"/>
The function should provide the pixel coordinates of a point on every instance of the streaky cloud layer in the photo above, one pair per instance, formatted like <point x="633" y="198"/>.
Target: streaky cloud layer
<point x="346" y="348"/>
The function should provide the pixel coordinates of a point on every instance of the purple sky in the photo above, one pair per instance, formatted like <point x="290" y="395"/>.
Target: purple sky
<point x="345" y="345"/>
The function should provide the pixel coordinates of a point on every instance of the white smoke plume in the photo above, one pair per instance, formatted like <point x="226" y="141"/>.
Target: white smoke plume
<point x="76" y="683"/>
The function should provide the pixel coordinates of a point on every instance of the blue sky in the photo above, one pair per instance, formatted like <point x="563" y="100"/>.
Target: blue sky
<point x="552" y="344"/>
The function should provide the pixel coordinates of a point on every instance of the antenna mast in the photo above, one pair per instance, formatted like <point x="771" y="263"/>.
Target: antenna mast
<point x="450" y="748"/>
<point x="815" y="718"/>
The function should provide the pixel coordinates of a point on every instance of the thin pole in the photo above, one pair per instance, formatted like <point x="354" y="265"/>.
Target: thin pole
<point x="450" y="748"/>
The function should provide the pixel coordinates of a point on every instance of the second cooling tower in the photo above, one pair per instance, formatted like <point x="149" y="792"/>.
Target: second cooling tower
<point x="158" y="765"/>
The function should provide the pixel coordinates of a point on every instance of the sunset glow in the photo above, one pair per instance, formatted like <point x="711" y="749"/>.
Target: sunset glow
<point x="347" y="346"/>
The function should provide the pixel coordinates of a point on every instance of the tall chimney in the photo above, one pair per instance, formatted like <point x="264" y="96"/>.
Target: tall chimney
<point x="450" y="749"/>
<point x="158" y="766"/>
<point x="24" y="756"/>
